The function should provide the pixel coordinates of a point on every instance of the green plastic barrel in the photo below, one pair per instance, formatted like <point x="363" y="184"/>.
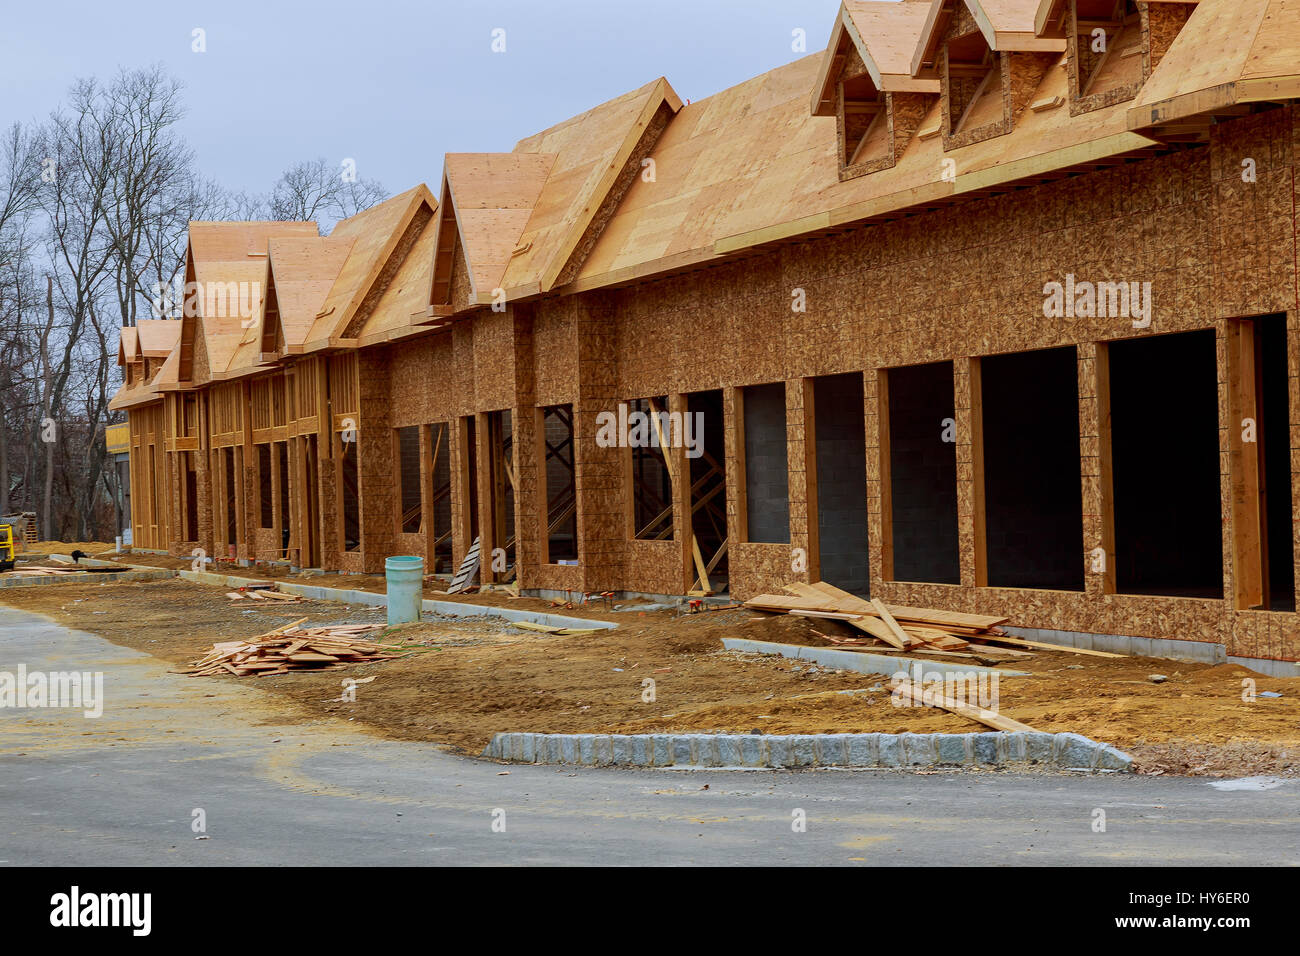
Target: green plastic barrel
<point x="405" y="576"/>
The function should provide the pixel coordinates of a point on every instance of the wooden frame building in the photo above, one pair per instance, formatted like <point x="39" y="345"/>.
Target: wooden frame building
<point x="992" y="306"/>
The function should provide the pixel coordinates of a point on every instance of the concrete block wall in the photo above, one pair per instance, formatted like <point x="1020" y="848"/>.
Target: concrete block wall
<point x="766" y="463"/>
<point x="923" y="473"/>
<point x="841" y="482"/>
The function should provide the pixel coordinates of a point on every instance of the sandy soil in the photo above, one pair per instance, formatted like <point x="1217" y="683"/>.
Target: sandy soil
<point x="469" y="678"/>
<point x="92" y="548"/>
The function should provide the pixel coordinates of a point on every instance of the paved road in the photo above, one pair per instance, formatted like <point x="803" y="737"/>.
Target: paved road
<point x="122" y="789"/>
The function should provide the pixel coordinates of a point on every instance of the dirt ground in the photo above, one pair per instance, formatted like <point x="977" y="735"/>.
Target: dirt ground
<point x="91" y="548"/>
<point x="468" y="678"/>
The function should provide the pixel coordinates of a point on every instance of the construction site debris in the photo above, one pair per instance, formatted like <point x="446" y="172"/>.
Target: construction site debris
<point x="262" y="592"/>
<point x="912" y="629"/>
<point x="293" y="648"/>
<point x="552" y="629"/>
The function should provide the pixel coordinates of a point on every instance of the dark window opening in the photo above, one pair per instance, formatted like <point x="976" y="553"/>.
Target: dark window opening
<point x="1165" y="465"/>
<point x="265" y="497"/>
<point x="922" y="473"/>
<point x="232" y="532"/>
<point x="1033" y="495"/>
<point x="281" y="450"/>
<point x="471" y="472"/>
<point x="440" y="469"/>
<point x="559" y="488"/>
<point x="706" y="455"/>
<point x="351" y="498"/>
<point x="191" y="498"/>
<point x="840" y="442"/>
<point x="409" y="518"/>
<point x="501" y="462"/>
<point x="652" y="488"/>
<point x="767" y="476"/>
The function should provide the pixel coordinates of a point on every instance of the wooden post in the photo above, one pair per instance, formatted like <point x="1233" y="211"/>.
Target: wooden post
<point x="886" y="486"/>
<point x="809" y="453"/>
<point x="1248" y="568"/>
<point x="740" y="526"/>
<point x="968" y="401"/>
<point x="1105" y="468"/>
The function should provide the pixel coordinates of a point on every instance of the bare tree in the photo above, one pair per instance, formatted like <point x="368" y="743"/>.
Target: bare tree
<point x="19" y="176"/>
<point x="150" y="192"/>
<point x="315" y="191"/>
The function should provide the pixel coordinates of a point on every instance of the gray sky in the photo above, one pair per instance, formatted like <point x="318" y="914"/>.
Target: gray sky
<point x="393" y="84"/>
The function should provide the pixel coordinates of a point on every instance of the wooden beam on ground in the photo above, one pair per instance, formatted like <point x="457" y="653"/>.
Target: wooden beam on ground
<point x="1019" y="642"/>
<point x="987" y="717"/>
<point x="888" y="618"/>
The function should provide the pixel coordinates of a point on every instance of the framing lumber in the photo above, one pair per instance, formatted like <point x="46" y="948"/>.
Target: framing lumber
<point x="1248" y="557"/>
<point x="930" y="698"/>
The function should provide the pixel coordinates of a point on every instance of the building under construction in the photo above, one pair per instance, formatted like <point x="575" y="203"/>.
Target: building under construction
<point x="989" y="307"/>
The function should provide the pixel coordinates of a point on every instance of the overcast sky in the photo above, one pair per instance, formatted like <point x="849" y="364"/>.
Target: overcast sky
<point x="393" y="84"/>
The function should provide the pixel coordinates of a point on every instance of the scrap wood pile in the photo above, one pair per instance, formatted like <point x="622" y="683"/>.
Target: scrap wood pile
<point x="892" y="627"/>
<point x="266" y="593"/>
<point x="37" y="570"/>
<point x="917" y="630"/>
<point x="293" y="648"/>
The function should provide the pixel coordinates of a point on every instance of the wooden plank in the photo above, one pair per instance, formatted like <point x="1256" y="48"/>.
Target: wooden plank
<point x="1018" y="642"/>
<point x="987" y="717"/>
<point x="945" y="619"/>
<point x="888" y="618"/>
<point x="833" y="615"/>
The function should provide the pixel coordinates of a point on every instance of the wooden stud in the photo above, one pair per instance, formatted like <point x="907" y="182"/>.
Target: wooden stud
<point x="809" y="459"/>
<point x="980" y="538"/>
<point x="1247" y="529"/>
<point x="1105" y="468"/>
<point x="886" y="485"/>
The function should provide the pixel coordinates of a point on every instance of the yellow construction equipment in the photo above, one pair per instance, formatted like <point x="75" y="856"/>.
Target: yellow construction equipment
<point x="7" y="543"/>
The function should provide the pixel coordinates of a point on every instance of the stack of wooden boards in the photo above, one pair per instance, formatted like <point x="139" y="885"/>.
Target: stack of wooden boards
<point x="293" y="648"/>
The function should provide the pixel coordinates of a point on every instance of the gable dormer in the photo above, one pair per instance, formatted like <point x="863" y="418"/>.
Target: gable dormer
<point x="1104" y="49"/>
<point x="989" y="60"/>
<point x="865" y="82"/>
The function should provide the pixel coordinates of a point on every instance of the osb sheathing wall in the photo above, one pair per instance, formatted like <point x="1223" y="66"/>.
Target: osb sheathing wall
<point x="968" y="281"/>
<point x="948" y="285"/>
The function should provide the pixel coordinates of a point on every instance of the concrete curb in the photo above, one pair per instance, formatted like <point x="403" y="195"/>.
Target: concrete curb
<point x="90" y="577"/>
<point x="740" y="751"/>
<point x="859" y="662"/>
<point x="374" y="599"/>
